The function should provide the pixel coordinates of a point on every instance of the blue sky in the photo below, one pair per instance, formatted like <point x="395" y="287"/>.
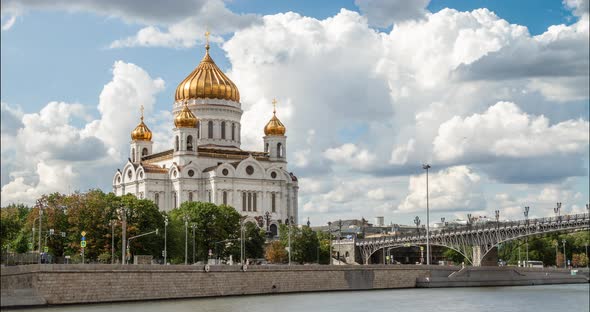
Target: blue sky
<point x="411" y="101"/>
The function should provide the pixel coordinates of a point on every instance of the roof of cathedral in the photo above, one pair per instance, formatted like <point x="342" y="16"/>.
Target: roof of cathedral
<point x="185" y="118"/>
<point x="141" y="132"/>
<point x="154" y="168"/>
<point x="211" y="153"/>
<point x="274" y="125"/>
<point x="207" y="81"/>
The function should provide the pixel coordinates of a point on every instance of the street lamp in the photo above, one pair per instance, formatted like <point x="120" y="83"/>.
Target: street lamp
<point x="442" y="224"/>
<point x="194" y="226"/>
<point x="289" y="222"/>
<point x="185" y="218"/>
<point x="557" y="210"/>
<point x="113" y="222"/>
<point x="426" y="167"/>
<point x="165" y="240"/>
<point x="417" y="222"/>
<point x="339" y="237"/>
<point x="267" y="217"/>
<point x="526" y="239"/>
<point x="330" y="231"/>
<point x="242" y="253"/>
<point x="123" y="216"/>
<point x="564" y="257"/>
<point x="40" y="218"/>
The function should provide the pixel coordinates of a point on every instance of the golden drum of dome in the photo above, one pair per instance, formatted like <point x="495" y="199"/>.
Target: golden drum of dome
<point x="207" y="81"/>
<point x="274" y="127"/>
<point x="185" y="118"/>
<point x="141" y="132"/>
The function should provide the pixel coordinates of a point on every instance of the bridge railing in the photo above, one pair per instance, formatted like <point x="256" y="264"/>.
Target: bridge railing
<point x="565" y="219"/>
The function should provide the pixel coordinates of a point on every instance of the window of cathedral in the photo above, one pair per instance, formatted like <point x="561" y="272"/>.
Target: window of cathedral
<point x="274" y="230"/>
<point x="224" y="197"/>
<point x="250" y="170"/>
<point x="254" y="202"/>
<point x="133" y="155"/>
<point x="199" y="129"/>
<point x="280" y="150"/>
<point x="174" y="173"/>
<point x="129" y="174"/>
<point x="223" y="130"/>
<point x="189" y="143"/>
<point x="249" y="201"/>
<point x="157" y="200"/>
<point x="173" y="199"/>
<point x="141" y="174"/>
<point x="118" y="179"/>
<point x="225" y="171"/>
<point x="144" y="151"/>
<point x="273" y="175"/>
<point x="190" y="196"/>
<point x="209" y="195"/>
<point x="273" y="202"/>
<point x="244" y="201"/>
<point x="140" y="195"/>
<point x="266" y="148"/>
<point x="233" y="131"/>
<point x="210" y="129"/>
<point x="176" y="144"/>
<point x="191" y="173"/>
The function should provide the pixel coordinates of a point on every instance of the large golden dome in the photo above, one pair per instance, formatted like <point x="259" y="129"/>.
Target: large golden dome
<point x="185" y="118"/>
<point x="207" y="81"/>
<point x="274" y="125"/>
<point x="141" y="132"/>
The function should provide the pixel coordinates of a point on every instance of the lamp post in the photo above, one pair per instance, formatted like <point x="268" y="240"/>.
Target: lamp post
<point x="289" y="222"/>
<point x="194" y="226"/>
<point x="557" y="211"/>
<point x="185" y="218"/>
<point x="442" y="224"/>
<point x="165" y="240"/>
<point x="417" y="222"/>
<point x="123" y="216"/>
<point x="330" y="232"/>
<point x="564" y="255"/>
<point x="556" y="252"/>
<point x="113" y="223"/>
<point x="339" y="237"/>
<point x="40" y="218"/>
<point x="526" y="239"/>
<point x="426" y="167"/>
<point x="267" y="217"/>
<point x="242" y="253"/>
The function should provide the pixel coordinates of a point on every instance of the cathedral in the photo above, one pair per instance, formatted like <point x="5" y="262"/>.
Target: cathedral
<point x="206" y="162"/>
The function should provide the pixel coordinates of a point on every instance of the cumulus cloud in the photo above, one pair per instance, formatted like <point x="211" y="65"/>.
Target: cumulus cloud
<point x="9" y="22"/>
<point x="505" y="131"/>
<point x="350" y="155"/>
<point x="452" y="189"/>
<point x="45" y="151"/>
<point x="383" y="13"/>
<point x="579" y="7"/>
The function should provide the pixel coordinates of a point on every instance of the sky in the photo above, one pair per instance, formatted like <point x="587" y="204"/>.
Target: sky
<point x="494" y="95"/>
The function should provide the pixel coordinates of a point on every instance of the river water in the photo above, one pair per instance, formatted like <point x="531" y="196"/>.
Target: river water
<point x="560" y="298"/>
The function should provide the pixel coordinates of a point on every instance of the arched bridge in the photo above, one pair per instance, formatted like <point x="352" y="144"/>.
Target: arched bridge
<point x="476" y="241"/>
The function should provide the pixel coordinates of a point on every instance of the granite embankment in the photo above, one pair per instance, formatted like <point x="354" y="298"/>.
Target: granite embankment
<point x="32" y="285"/>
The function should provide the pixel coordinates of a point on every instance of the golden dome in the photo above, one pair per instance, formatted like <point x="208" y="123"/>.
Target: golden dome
<point x="274" y="126"/>
<point x="141" y="132"/>
<point x="207" y="81"/>
<point x="185" y="118"/>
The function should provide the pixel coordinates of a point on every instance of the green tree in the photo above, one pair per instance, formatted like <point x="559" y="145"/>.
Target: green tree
<point x="12" y="223"/>
<point x="217" y="229"/>
<point x="304" y="243"/>
<point x="253" y="241"/>
<point x="275" y="252"/>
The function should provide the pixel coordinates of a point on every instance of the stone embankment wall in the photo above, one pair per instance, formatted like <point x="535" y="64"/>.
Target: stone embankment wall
<point x="67" y="284"/>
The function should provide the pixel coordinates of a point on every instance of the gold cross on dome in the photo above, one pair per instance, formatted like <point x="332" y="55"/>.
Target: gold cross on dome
<point x="274" y="105"/>
<point x="207" y="34"/>
<point x="141" y="109"/>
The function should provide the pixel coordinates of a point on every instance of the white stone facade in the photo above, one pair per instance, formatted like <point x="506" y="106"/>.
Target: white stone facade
<point x="209" y="166"/>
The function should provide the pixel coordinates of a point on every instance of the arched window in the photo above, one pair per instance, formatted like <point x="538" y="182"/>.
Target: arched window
<point x="273" y="202"/>
<point x="224" y="197"/>
<point x="157" y="200"/>
<point x="199" y="129"/>
<point x="144" y="151"/>
<point x="176" y="143"/>
<point x="280" y="150"/>
<point x="233" y="131"/>
<point x="190" y="196"/>
<point x="173" y="199"/>
<point x="189" y="143"/>
<point x="244" y="201"/>
<point x="210" y="129"/>
<point x="254" y="202"/>
<point x="266" y="148"/>
<point x="223" y="130"/>
<point x="133" y="155"/>
<point x="209" y="195"/>
<point x="249" y="201"/>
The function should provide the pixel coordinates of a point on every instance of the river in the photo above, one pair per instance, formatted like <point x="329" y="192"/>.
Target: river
<point x="562" y="298"/>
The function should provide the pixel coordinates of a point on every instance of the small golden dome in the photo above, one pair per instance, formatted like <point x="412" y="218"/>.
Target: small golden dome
<point x="141" y="132"/>
<point x="207" y="81"/>
<point x="274" y="126"/>
<point x="185" y="118"/>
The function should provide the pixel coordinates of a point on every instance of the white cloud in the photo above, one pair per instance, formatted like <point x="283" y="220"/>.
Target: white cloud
<point x="383" y="13"/>
<point x="350" y="155"/>
<point x="10" y="20"/>
<point x="505" y="131"/>
<point x="452" y="189"/>
<point x="47" y="152"/>
<point x="579" y="7"/>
